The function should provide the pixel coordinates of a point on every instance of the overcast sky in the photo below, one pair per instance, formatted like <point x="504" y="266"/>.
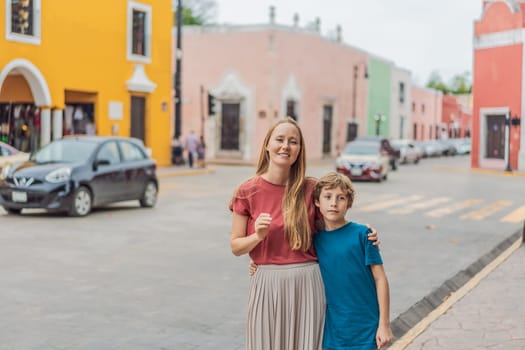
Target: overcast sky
<point x="419" y="35"/>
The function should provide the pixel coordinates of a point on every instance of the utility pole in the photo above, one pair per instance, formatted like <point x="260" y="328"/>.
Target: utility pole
<point x="178" y="73"/>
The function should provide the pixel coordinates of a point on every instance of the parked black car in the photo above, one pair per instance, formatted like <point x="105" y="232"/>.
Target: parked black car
<point x="386" y="148"/>
<point x="77" y="173"/>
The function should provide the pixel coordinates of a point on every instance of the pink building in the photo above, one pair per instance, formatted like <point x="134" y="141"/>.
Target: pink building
<point x="426" y="113"/>
<point x="499" y="86"/>
<point x="261" y="73"/>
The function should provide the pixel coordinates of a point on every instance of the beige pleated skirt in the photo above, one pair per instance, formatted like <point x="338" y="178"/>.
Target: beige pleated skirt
<point x="286" y="308"/>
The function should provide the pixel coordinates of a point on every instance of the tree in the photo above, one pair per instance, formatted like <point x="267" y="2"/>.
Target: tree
<point x="459" y="84"/>
<point x="436" y="82"/>
<point x="196" y="12"/>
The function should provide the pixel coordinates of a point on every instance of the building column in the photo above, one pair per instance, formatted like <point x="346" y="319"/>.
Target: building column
<point x="45" y="126"/>
<point x="58" y="124"/>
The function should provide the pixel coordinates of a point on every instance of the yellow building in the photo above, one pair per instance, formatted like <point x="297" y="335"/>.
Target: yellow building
<point x="86" y="67"/>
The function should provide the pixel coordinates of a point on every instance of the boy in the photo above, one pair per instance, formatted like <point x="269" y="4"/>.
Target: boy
<point x="356" y="286"/>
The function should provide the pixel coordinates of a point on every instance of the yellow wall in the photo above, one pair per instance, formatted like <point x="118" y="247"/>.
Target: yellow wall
<point x="84" y="49"/>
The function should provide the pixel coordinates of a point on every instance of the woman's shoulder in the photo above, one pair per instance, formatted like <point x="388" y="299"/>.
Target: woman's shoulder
<point x="310" y="181"/>
<point x="249" y="185"/>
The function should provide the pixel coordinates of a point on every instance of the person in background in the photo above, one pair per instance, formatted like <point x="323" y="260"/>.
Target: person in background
<point x="273" y="220"/>
<point x="191" y="143"/>
<point x="355" y="282"/>
<point x="201" y="153"/>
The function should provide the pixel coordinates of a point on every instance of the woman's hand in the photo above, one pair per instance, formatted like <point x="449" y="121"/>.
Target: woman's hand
<point x="262" y="224"/>
<point x="372" y="235"/>
<point x="252" y="268"/>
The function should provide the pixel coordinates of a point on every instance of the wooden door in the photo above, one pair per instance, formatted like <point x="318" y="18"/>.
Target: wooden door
<point x="230" y="126"/>
<point x="327" y="129"/>
<point x="138" y="120"/>
<point x="495" y="136"/>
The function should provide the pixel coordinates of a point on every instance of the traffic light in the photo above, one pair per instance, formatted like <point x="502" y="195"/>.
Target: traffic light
<point x="211" y="104"/>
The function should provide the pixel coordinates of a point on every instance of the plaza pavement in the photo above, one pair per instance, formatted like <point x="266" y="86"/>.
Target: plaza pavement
<point x="482" y="307"/>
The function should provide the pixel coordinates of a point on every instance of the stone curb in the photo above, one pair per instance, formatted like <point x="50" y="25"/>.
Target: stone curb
<point x="190" y="172"/>
<point x="408" y="319"/>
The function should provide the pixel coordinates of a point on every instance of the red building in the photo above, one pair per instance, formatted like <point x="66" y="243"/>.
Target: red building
<point x="456" y="118"/>
<point x="498" y="86"/>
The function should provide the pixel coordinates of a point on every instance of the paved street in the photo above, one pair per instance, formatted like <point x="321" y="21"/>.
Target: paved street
<point x="491" y="316"/>
<point x="130" y="278"/>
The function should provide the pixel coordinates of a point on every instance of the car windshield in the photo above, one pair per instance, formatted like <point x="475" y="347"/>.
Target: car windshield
<point x="64" y="151"/>
<point x="361" y="148"/>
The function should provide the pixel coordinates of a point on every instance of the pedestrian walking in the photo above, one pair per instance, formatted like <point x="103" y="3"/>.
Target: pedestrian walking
<point x="191" y="143"/>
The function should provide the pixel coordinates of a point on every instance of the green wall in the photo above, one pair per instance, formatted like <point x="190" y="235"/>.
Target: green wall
<point x="379" y="89"/>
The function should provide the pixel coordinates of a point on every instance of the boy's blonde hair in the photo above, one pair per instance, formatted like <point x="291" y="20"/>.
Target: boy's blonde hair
<point x="335" y="180"/>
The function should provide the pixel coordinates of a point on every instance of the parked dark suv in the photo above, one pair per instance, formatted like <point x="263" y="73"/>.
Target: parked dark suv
<point x="386" y="147"/>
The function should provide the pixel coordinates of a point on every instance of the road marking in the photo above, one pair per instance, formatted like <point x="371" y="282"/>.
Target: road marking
<point x="420" y="205"/>
<point x="383" y="205"/>
<point x="517" y="215"/>
<point x="367" y="198"/>
<point x="440" y="212"/>
<point x="422" y="325"/>
<point x="486" y="211"/>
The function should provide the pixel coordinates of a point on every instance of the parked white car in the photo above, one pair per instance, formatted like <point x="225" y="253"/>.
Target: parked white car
<point x="363" y="160"/>
<point x="409" y="152"/>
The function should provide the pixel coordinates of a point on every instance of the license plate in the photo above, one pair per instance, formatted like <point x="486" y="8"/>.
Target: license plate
<point x="20" y="197"/>
<point x="356" y="172"/>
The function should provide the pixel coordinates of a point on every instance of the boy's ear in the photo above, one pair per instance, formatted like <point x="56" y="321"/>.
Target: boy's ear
<point x="316" y="202"/>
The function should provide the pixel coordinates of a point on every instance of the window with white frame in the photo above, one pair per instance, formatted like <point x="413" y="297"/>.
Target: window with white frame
<point x="139" y="32"/>
<point x="23" y="21"/>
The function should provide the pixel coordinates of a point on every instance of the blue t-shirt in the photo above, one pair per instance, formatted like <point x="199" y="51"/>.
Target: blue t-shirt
<point x="352" y="310"/>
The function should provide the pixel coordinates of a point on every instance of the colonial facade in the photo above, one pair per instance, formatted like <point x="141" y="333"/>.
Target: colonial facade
<point x="499" y="86"/>
<point x="260" y="73"/>
<point x="86" y="67"/>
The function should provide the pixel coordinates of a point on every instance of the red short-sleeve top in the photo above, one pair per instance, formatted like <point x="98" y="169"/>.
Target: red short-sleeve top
<point x="256" y="196"/>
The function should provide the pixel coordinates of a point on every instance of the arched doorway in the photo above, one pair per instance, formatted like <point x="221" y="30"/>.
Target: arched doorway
<point x="23" y="93"/>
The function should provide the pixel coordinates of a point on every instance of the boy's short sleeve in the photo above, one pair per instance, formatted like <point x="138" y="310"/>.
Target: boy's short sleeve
<point x="372" y="255"/>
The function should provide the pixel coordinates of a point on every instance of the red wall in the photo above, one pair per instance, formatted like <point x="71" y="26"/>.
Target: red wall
<point x="497" y="83"/>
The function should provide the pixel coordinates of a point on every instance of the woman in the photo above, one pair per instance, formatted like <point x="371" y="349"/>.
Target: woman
<point x="273" y="220"/>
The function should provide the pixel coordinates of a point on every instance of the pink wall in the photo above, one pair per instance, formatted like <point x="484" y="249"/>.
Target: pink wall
<point x="430" y="117"/>
<point x="264" y="58"/>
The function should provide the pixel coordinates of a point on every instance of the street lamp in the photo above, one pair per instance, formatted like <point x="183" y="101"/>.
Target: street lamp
<point x="379" y="118"/>
<point x="352" y="128"/>
<point x="178" y="73"/>
<point x="510" y="122"/>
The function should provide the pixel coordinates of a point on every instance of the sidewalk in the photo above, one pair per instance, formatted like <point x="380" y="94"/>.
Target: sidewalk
<point x="488" y="312"/>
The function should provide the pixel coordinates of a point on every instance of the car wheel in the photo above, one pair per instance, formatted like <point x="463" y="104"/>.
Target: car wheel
<point x="82" y="202"/>
<point x="417" y="160"/>
<point x="13" y="211"/>
<point x="149" y="198"/>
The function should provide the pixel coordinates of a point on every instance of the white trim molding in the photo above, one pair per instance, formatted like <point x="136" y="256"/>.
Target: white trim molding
<point x="33" y="39"/>
<point x="35" y="79"/>
<point x="139" y="81"/>
<point x="233" y="90"/>
<point x="133" y="5"/>
<point x="497" y="39"/>
<point x="291" y="91"/>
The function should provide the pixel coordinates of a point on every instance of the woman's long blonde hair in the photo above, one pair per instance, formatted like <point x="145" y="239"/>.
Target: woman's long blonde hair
<point x="296" y="224"/>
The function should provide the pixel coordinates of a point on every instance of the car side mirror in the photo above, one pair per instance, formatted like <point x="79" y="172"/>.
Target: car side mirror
<point x="100" y="162"/>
